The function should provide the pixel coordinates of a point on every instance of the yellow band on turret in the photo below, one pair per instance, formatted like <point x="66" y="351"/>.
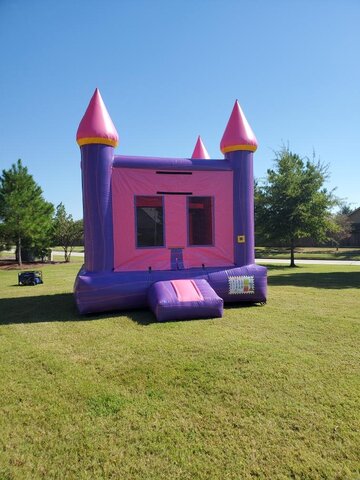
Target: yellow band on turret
<point x="103" y="141"/>
<point x="234" y="148"/>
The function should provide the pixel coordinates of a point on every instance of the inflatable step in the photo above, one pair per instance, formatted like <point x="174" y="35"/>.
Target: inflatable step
<point x="184" y="300"/>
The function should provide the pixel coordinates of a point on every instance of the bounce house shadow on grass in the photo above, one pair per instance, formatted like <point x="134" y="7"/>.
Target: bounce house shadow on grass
<point x="61" y="308"/>
<point x="58" y="308"/>
<point x="38" y="309"/>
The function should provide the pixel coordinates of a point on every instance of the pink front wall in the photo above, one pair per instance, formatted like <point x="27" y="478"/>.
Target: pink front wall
<point x="128" y="182"/>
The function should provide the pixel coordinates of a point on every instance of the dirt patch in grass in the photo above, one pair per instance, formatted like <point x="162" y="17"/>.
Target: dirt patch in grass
<point x="12" y="265"/>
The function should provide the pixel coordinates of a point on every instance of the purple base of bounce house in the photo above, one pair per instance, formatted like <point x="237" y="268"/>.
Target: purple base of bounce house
<point x="99" y="292"/>
<point x="175" y="235"/>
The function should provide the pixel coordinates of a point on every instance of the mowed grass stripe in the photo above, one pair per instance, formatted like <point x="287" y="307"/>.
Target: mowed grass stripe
<point x="265" y="392"/>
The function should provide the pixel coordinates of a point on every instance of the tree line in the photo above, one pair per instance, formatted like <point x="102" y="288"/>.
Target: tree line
<point x="291" y="203"/>
<point x="29" y="222"/>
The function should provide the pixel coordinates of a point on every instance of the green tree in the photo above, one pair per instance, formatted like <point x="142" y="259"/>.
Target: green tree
<point x="25" y="216"/>
<point x="3" y="241"/>
<point x="343" y="228"/>
<point x="66" y="232"/>
<point x="345" y="209"/>
<point x="293" y="203"/>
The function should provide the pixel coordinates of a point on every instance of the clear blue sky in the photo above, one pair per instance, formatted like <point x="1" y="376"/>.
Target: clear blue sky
<point x="170" y="70"/>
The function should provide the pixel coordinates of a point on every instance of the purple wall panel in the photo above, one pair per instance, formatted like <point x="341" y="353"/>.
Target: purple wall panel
<point x="242" y="163"/>
<point x="155" y="163"/>
<point x="96" y="165"/>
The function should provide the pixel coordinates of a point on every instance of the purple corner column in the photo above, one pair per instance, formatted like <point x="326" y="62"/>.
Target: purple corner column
<point x="96" y="167"/>
<point x="244" y="241"/>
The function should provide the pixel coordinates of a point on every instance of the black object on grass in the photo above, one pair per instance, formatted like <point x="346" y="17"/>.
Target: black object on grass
<point x="30" y="278"/>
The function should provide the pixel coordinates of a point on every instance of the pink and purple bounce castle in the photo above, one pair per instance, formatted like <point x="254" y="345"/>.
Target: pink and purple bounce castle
<point x="172" y="234"/>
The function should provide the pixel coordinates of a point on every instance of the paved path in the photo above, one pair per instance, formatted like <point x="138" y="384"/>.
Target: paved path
<point x="73" y="254"/>
<point x="308" y="262"/>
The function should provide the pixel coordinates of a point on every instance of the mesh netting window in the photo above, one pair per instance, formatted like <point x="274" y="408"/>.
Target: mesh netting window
<point x="200" y="218"/>
<point x="149" y="221"/>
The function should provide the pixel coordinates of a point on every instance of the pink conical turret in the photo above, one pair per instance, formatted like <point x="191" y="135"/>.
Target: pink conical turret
<point x="96" y="125"/>
<point x="200" y="151"/>
<point x="238" y="134"/>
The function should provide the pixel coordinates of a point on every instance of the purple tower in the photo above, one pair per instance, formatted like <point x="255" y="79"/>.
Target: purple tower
<point x="97" y="138"/>
<point x="238" y="144"/>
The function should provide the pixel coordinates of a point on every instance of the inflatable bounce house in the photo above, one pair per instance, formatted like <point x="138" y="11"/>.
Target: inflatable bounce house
<point x="172" y="234"/>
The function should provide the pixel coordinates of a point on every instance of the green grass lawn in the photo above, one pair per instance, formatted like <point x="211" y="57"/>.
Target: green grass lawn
<point x="267" y="392"/>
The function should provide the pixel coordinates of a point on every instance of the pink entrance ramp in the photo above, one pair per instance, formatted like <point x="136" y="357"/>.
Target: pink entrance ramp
<point x="184" y="300"/>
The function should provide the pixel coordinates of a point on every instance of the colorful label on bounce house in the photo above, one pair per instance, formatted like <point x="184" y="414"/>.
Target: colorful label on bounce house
<point x="241" y="284"/>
